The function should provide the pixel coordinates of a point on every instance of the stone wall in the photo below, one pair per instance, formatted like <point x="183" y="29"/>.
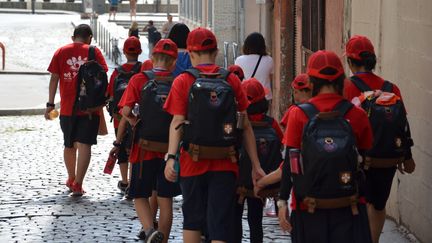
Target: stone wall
<point x="401" y="32"/>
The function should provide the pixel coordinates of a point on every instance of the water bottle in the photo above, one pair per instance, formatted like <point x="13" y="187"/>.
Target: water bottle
<point x="53" y="114"/>
<point x="109" y="165"/>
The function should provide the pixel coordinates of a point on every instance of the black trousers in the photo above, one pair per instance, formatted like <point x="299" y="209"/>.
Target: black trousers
<point x="254" y="216"/>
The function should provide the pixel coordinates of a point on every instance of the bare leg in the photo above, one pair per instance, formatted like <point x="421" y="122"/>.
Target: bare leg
<point x="124" y="172"/>
<point x="376" y="222"/>
<point x="69" y="155"/>
<point x="142" y="208"/>
<point x="191" y="236"/>
<point x="84" y="155"/>
<point x="165" y="216"/>
<point x="154" y="204"/>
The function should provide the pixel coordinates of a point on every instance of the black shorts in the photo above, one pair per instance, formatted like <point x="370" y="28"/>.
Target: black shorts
<point x="209" y="200"/>
<point x="330" y="225"/>
<point x="113" y="8"/>
<point x="123" y="155"/>
<point x="79" y="129"/>
<point x="378" y="185"/>
<point x="148" y="175"/>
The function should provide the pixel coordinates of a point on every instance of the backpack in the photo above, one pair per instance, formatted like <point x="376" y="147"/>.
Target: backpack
<point x="212" y="111"/>
<point x="154" y="35"/>
<point x="388" y="122"/>
<point x="154" y="120"/>
<point x="269" y="152"/>
<point x="92" y="82"/>
<point x="329" y="158"/>
<point x="119" y="87"/>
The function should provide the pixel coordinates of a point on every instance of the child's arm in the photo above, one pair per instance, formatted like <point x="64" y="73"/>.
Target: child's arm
<point x="119" y="139"/>
<point x="272" y="178"/>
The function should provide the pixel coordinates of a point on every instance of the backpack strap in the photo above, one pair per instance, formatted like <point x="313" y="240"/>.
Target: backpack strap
<point x="136" y="68"/>
<point x="343" y="107"/>
<point x="194" y="72"/>
<point x="92" y="54"/>
<point x="120" y="69"/>
<point x="387" y="87"/>
<point x="309" y="109"/>
<point x="150" y="74"/>
<point x="360" y="84"/>
<point x="265" y="122"/>
<point x="224" y="73"/>
<point x="256" y="66"/>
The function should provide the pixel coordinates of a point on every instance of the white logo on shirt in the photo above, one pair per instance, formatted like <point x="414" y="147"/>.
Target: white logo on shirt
<point x="74" y="65"/>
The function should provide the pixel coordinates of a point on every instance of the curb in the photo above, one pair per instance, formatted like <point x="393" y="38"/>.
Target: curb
<point x="25" y="111"/>
<point x="24" y="72"/>
<point x="37" y="11"/>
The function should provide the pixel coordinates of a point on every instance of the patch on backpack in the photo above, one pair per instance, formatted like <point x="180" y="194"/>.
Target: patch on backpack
<point x="345" y="177"/>
<point x="262" y="146"/>
<point x="228" y="128"/>
<point x="213" y="97"/>
<point x="398" y="142"/>
<point x="329" y="145"/>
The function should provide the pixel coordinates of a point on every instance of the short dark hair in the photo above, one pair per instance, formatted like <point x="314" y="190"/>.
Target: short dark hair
<point x="206" y="52"/>
<point x="83" y="31"/>
<point x="368" y="61"/>
<point x="150" y="22"/>
<point x="178" y="34"/>
<point x="318" y="83"/>
<point x="254" y="44"/>
<point x="259" y="107"/>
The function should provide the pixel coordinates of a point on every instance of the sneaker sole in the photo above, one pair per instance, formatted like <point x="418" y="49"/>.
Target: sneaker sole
<point x="77" y="194"/>
<point x="155" y="237"/>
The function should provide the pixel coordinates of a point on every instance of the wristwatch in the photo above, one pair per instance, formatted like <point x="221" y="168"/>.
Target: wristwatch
<point x="281" y="203"/>
<point x="115" y="144"/>
<point x="50" y="104"/>
<point x="169" y="156"/>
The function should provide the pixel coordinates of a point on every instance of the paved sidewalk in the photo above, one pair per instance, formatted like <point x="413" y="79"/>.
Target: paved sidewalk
<point x="35" y="206"/>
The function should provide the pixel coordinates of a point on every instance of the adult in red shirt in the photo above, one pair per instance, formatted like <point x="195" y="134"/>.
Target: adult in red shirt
<point x="362" y="60"/>
<point x="79" y="129"/>
<point x="131" y="49"/>
<point x="324" y="225"/>
<point x="208" y="185"/>
<point x="147" y="165"/>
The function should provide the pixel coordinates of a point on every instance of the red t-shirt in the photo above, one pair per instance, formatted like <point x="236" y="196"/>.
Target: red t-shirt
<point x="373" y="81"/>
<point x="324" y="103"/>
<point x="66" y="63"/>
<point x="127" y="67"/>
<point x="131" y="97"/>
<point x="177" y="104"/>
<point x="284" y="123"/>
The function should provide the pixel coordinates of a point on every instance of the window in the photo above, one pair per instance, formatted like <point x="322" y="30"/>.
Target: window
<point x="313" y="22"/>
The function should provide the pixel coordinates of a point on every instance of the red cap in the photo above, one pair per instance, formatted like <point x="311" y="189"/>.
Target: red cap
<point x="323" y="60"/>
<point x="301" y="81"/>
<point x="254" y="90"/>
<point x="201" y="39"/>
<point x="132" y="45"/>
<point x="358" y="44"/>
<point x="167" y="47"/>
<point x="147" y="65"/>
<point x="237" y="70"/>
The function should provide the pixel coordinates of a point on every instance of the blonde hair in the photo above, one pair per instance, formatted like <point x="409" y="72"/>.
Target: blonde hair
<point x="134" y="25"/>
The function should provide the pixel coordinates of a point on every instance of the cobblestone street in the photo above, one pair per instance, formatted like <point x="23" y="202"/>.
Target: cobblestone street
<point x="34" y="203"/>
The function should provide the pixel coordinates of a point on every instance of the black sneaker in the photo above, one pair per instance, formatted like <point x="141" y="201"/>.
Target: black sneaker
<point x="126" y="194"/>
<point x="122" y="187"/>
<point x="142" y="235"/>
<point x="154" y="236"/>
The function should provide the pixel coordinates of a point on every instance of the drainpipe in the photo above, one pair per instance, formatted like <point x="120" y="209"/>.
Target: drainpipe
<point x="3" y="55"/>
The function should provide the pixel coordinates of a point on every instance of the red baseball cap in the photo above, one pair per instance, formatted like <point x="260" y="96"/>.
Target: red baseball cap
<point x="254" y="90"/>
<point x="237" y="70"/>
<point x="325" y="65"/>
<point x="167" y="47"/>
<point x="201" y="39"/>
<point x="301" y="81"/>
<point x="358" y="44"/>
<point x="132" y="45"/>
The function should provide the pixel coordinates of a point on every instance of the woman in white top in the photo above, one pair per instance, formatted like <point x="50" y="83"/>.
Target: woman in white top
<point x="255" y="58"/>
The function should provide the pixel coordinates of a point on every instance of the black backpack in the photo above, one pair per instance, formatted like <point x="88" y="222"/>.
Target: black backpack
<point x="329" y="157"/>
<point x="269" y="152"/>
<point x="389" y="123"/>
<point x="212" y="111"/>
<point x="92" y="82"/>
<point x="154" y="35"/>
<point x="120" y="84"/>
<point x="155" y="121"/>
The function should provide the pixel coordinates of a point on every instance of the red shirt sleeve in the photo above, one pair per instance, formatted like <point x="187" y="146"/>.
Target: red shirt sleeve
<point x="54" y="66"/>
<point x="177" y="101"/>
<point x="100" y="59"/>
<point x="111" y="83"/>
<point x="242" y="101"/>
<point x="296" y="121"/>
<point x="278" y="130"/>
